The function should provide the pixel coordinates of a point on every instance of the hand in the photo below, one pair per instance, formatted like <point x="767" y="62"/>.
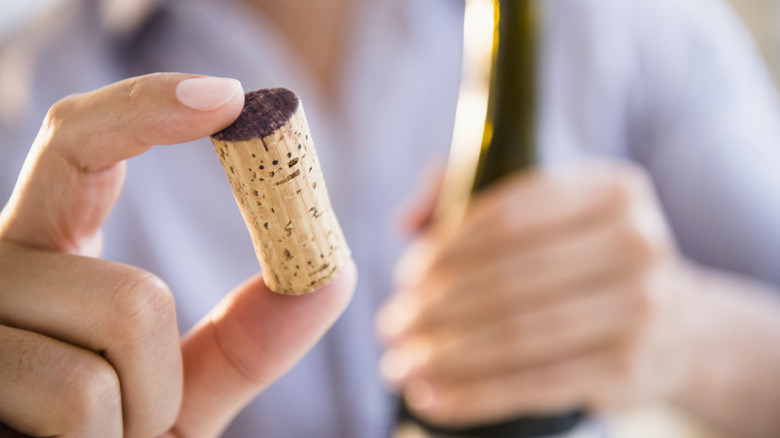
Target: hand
<point x="90" y="348"/>
<point x="558" y="292"/>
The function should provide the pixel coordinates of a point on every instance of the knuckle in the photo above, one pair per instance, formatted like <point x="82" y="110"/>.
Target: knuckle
<point x="619" y="195"/>
<point x="641" y="301"/>
<point x="634" y="177"/>
<point x="92" y="393"/>
<point x="136" y="86"/>
<point x="57" y="126"/>
<point x="136" y="112"/>
<point x="60" y="111"/>
<point x="627" y="183"/>
<point x="640" y="245"/>
<point x="132" y="90"/>
<point x="142" y="304"/>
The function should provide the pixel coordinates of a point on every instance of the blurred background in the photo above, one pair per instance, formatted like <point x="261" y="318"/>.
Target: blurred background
<point x="14" y="13"/>
<point x="763" y="19"/>
<point x="761" y="16"/>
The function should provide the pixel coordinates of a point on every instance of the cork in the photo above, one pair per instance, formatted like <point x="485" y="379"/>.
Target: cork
<point x="272" y="166"/>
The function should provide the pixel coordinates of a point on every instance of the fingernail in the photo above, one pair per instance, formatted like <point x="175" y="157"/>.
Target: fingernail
<point x="396" y="317"/>
<point x="420" y="395"/>
<point x="397" y="364"/>
<point x="205" y="94"/>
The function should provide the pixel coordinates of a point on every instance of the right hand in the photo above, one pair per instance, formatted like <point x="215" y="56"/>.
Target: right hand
<point x="90" y="348"/>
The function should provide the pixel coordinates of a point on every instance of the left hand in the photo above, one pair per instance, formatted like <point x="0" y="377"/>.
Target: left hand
<point x="560" y="291"/>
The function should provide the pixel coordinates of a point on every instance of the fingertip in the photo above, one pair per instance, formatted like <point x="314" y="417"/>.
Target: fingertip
<point x="396" y="317"/>
<point x="349" y="274"/>
<point x="210" y="93"/>
<point x="344" y="283"/>
<point x="213" y="103"/>
<point x="330" y="298"/>
<point x="234" y="105"/>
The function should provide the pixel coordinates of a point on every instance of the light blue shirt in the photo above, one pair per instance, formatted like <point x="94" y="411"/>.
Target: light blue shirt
<point x="674" y="85"/>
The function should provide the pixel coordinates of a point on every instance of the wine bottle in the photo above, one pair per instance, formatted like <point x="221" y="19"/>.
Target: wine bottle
<point x="509" y="140"/>
<point x="508" y="146"/>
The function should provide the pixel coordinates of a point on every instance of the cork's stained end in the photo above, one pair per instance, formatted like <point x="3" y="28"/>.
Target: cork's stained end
<point x="265" y="111"/>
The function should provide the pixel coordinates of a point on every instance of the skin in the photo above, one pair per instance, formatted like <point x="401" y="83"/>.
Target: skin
<point x="563" y="290"/>
<point x="90" y="348"/>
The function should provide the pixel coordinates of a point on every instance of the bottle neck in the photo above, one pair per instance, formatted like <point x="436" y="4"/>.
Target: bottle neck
<point x="509" y="141"/>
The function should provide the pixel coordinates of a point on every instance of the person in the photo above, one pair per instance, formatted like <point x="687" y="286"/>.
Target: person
<point x="638" y="263"/>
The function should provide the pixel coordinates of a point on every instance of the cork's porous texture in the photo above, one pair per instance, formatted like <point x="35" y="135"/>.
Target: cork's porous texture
<point x="275" y="175"/>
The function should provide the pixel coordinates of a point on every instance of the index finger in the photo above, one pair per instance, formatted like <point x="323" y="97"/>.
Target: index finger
<point x="70" y="180"/>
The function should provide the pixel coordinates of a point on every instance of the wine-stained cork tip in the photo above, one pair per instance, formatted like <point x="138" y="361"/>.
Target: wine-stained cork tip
<point x="269" y="158"/>
<point x="264" y="112"/>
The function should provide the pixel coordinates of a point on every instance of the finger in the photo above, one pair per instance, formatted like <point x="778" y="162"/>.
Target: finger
<point x="247" y="342"/>
<point x="523" y="340"/>
<point x="523" y="212"/>
<point x="519" y="212"/>
<point x="527" y="209"/>
<point x="505" y="283"/>
<point x="476" y="291"/>
<point x="559" y="387"/>
<point x="70" y="179"/>
<point x="50" y="388"/>
<point x="121" y="312"/>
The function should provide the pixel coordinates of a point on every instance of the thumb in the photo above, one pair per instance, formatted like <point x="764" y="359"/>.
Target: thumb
<point x="71" y="179"/>
<point x="247" y="342"/>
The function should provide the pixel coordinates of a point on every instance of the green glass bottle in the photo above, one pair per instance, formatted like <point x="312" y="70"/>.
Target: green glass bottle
<point x="509" y="140"/>
<point x="508" y="146"/>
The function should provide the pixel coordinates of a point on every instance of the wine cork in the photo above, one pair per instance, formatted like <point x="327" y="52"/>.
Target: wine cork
<point x="269" y="159"/>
